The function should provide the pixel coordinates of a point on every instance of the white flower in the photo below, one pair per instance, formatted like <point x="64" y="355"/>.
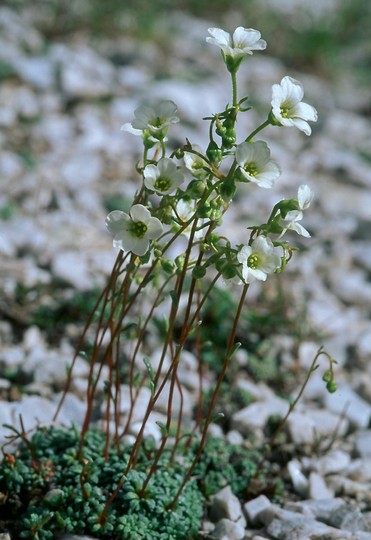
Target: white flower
<point x="154" y="118"/>
<point x="258" y="260"/>
<point x="288" y="108"/>
<point x="195" y="163"/>
<point x="163" y="178"/>
<point x="256" y="165"/>
<point x="305" y="196"/>
<point x="134" y="231"/>
<point x="243" y="41"/>
<point x="185" y="210"/>
<point x="290" y="222"/>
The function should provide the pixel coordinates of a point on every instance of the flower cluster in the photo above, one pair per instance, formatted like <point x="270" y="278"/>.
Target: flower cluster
<point x="168" y="205"/>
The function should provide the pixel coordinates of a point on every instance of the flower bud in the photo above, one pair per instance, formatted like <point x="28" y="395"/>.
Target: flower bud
<point x="179" y="261"/>
<point x="331" y="386"/>
<point x="198" y="272"/>
<point x="228" y="189"/>
<point x="327" y="376"/>
<point x="229" y="138"/>
<point x="214" y="153"/>
<point x="167" y="265"/>
<point x="204" y="210"/>
<point x="196" y="189"/>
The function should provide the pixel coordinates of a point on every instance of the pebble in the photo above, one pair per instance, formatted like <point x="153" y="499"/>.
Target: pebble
<point x="225" y="505"/>
<point x="255" y="508"/>
<point x="363" y="443"/>
<point x="346" y="401"/>
<point x="298" y="479"/>
<point x="318" y="489"/>
<point x="228" y="530"/>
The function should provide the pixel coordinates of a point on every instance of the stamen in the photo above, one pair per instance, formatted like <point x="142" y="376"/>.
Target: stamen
<point x="138" y="229"/>
<point x="251" y="168"/>
<point x="253" y="261"/>
<point x="162" y="184"/>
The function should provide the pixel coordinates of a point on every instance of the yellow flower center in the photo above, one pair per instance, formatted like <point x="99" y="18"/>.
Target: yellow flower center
<point x="162" y="184"/>
<point x="253" y="261"/>
<point x="138" y="229"/>
<point x="156" y="122"/>
<point x="251" y="169"/>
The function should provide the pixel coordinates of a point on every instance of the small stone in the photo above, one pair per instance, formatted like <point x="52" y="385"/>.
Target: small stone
<point x="254" y="509"/>
<point x="255" y="416"/>
<point x="333" y="462"/>
<point x="307" y="352"/>
<point x="318" y="488"/>
<point x="163" y="400"/>
<point x="141" y="402"/>
<point x="320" y="510"/>
<point x="226" y="505"/>
<point x="38" y="71"/>
<point x="363" y="443"/>
<point x="234" y="437"/>
<point x="299" y="481"/>
<point x="5" y="418"/>
<point x="228" y="530"/>
<point x="251" y="418"/>
<point x="297" y="529"/>
<point x="12" y="358"/>
<point x="215" y="430"/>
<point x="359" y="470"/>
<point x="73" y="409"/>
<point x="349" y="518"/>
<point x="327" y="422"/>
<point x="361" y="491"/>
<point x="346" y="401"/>
<point x="151" y="430"/>
<point x="301" y="428"/>
<point x="85" y="74"/>
<point x="72" y="268"/>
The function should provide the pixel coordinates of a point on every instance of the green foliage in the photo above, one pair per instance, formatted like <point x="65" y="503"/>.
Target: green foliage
<point x="60" y="493"/>
<point x="45" y="498"/>
<point x="224" y="464"/>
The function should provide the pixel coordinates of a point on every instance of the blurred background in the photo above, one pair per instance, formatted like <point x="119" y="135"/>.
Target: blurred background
<point x="71" y="73"/>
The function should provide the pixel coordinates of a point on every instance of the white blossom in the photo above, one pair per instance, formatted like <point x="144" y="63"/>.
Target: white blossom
<point x="242" y="42"/>
<point x="256" y="165"/>
<point x="163" y="178"/>
<point x="288" y="108"/>
<point x="292" y="218"/>
<point x="258" y="260"/>
<point x="185" y="210"/>
<point x="305" y="196"/>
<point x="154" y="119"/>
<point x="290" y="222"/>
<point x="194" y="163"/>
<point x="134" y="231"/>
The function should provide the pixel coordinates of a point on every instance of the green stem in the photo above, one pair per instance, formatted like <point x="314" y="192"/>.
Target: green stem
<point x="259" y="128"/>
<point x="234" y="87"/>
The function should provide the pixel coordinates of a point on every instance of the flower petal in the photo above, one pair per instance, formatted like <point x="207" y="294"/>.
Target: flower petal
<point x="305" y="196"/>
<point x="155" y="228"/>
<point x="138" y="212"/>
<point x="116" y="221"/>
